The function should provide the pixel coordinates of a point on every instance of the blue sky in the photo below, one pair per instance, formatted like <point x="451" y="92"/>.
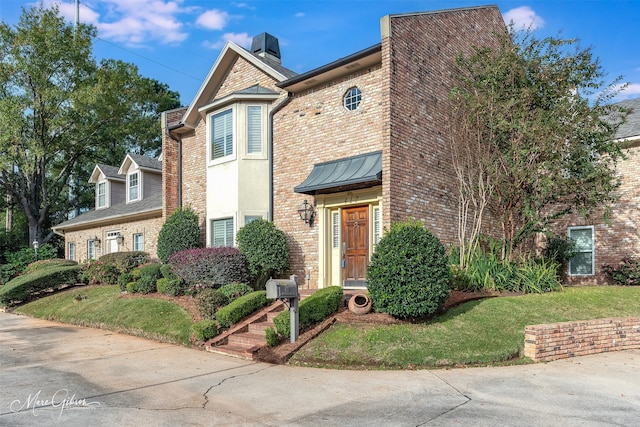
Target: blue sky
<point x="177" y="41"/>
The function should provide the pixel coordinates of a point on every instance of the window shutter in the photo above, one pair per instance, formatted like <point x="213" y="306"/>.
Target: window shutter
<point x="222" y="134"/>
<point x="254" y="130"/>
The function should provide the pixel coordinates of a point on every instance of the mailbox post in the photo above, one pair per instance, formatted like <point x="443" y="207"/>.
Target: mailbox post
<point x="287" y="289"/>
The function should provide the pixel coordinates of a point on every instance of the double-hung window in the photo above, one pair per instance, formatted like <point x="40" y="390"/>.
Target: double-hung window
<point x="102" y="195"/>
<point x="138" y="242"/>
<point x="222" y="134"/>
<point x="91" y="249"/>
<point x="222" y="232"/>
<point x="133" y="185"/>
<point x="254" y="129"/>
<point x="582" y="264"/>
<point x="72" y="251"/>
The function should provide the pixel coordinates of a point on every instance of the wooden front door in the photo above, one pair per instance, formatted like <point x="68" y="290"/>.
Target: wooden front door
<point x="355" y="245"/>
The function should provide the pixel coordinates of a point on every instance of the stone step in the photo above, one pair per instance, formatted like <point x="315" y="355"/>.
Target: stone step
<point x="259" y="327"/>
<point x="249" y="339"/>
<point x="240" y="351"/>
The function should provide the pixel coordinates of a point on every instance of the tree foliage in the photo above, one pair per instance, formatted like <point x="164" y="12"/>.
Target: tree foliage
<point x="543" y="117"/>
<point x="61" y="112"/>
<point x="180" y="231"/>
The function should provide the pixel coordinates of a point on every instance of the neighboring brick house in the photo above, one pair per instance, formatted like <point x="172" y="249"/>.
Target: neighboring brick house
<point x="601" y="242"/>
<point x="362" y="141"/>
<point x="127" y="214"/>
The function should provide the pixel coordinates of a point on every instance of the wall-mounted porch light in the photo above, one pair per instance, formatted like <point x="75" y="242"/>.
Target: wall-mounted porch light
<point x="306" y="212"/>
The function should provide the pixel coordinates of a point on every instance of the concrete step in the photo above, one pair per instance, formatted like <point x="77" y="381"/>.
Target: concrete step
<point x="240" y="351"/>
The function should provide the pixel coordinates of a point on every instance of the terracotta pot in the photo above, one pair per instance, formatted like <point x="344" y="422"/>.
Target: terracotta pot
<point x="360" y="304"/>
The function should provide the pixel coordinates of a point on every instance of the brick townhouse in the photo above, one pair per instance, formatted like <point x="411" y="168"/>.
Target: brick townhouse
<point x="333" y="155"/>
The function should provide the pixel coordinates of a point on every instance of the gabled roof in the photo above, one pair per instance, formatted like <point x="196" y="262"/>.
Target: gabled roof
<point x="144" y="163"/>
<point x="630" y="129"/>
<point x="230" y="53"/>
<point x="110" y="172"/>
<point x="253" y="93"/>
<point x="122" y="212"/>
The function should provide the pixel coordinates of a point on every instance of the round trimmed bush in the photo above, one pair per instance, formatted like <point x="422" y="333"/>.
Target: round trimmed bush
<point x="408" y="274"/>
<point x="181" y="231"/>
<point x="209" y="301"/>
<point x="205" y="329"/>
<point x="235" y="290"/>
<point x="265" y="248"/>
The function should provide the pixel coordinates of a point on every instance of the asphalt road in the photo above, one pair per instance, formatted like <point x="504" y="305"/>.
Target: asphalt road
<point x="55" y="374"/>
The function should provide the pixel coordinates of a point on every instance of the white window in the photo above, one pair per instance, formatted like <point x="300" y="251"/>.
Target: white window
<point x="582" y="264"/>
<point x="133" y="184"/>
<point x="352" y="98"/>
<point x="254" y="129"/>
<point x="222" y="134"/>
<point x="222" y="232"/>
<point x="72" y="251"/>
<point x="91" y="249"/>
<point x="376" y="225"/>
<point x="138" y="242"/>
<point x="102" y="195"/>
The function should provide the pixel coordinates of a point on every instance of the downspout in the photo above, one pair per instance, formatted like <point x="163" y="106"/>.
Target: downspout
<point x="270" y="150"/>
<point x="178" y="140"/>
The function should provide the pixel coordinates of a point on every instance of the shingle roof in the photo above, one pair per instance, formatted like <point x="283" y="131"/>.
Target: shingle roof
<point x="146" y="161"/>
<point x="110" y="172"/>
<point x="275" y="65"/>
<point x="119" y="211"/>
<point x="631" y="127"/>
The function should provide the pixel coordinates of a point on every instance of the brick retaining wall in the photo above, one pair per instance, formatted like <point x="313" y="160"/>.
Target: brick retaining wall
<point x="553" y="341"/>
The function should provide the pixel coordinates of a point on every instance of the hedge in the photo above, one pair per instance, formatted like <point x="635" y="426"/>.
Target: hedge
<point x="241" y="307"/>
<point x="312" y="309"/>
<point x="205" y="330"/>
<point x="22" y="287"/>
<point x="212" y="267"/>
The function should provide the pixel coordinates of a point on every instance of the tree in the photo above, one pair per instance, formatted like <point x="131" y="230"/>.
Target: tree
<point x="265" y="248"/>
<point x="61" y="112"/>
<point x="543" y="130"/>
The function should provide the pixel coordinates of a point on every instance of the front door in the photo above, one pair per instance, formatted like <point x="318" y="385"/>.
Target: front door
<point x="355" y="246"/>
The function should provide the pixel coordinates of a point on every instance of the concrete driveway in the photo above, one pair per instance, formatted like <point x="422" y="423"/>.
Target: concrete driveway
<point x="55" y="374"/>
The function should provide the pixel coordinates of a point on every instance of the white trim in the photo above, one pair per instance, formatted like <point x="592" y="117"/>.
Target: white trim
<point x="139" y="185"/>
<point x="234" y="135"/>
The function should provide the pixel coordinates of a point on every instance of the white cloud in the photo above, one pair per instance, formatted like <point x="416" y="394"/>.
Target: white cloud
<point x="631" y="90"/>
<point x="212" y="19"/>
<point x="523" y="17"/>
<point x="299" y="15"/>
<point x="133" y="22"/>
<point x="241" y="39"/>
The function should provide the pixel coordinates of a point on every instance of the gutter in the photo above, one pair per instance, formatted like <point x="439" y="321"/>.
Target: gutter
<point x="270" y="149"/>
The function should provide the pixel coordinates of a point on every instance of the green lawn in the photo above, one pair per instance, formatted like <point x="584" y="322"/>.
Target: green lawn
<point x="489" y="331"/>
<point x="100" y="306"/>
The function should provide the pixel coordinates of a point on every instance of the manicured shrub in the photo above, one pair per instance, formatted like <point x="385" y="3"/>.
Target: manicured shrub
<point x="181" y="231"/>
<point x="48" y="263"/>
<point x="23" y="287"/>
<point x="131" y="287"/>
<point x="241" y="307"/>
<point x="166" y="272"/>
<point x="273" y="339"/>
<point x="205" y="329"/>
<point x="124" y="262"/>
<point x="151" y="270"/>
<point x="123" y="279"/>
<point x="311" y="310"/>
<point x="145" y="285"/>
<point x="235" y="290"/>
<point x="265" y="248"/>
<point x="209" y="301"/>
<point x="171" y="287"/>
<point x="625" y="273"/>
<point x="210" y="266"/>
<point x="99" y="273"/>
<point x="408" y="274"/>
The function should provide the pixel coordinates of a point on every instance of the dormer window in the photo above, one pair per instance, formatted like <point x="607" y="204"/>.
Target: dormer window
<point x="101" y="195"/>
<point x="133" y="186"/>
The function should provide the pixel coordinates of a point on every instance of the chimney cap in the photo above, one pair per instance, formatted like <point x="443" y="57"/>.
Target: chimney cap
<point x="267" y="46"/>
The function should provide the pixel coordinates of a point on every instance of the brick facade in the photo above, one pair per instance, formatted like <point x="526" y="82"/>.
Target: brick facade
<point x="548" y="342"/>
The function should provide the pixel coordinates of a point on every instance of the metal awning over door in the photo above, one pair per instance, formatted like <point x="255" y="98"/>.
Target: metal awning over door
<point x="361" y="170"/>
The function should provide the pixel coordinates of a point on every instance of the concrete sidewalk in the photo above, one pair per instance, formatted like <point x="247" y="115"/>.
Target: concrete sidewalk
<point x="54" y="374"/>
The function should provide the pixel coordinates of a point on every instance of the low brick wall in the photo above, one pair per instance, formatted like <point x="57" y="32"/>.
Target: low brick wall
<point x="569" y="339"/>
